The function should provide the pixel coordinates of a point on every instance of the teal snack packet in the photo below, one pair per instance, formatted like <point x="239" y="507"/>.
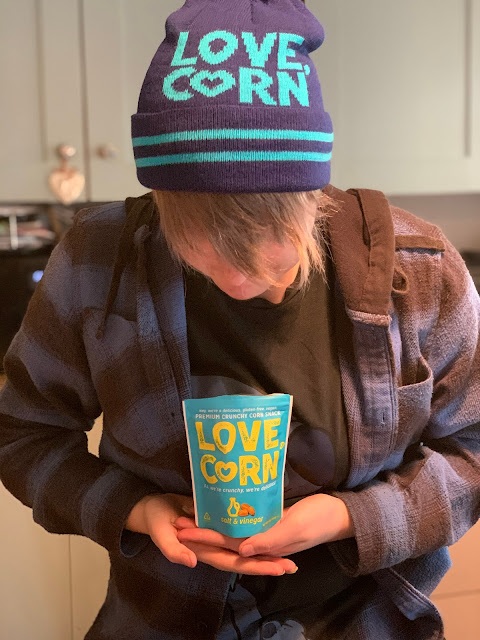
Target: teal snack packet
<point x="237" y="446"/>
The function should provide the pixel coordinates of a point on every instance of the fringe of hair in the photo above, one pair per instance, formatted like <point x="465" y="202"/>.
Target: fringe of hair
<point x="238" y="224"/>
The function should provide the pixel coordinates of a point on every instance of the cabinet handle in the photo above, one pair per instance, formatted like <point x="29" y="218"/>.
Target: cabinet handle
<point x="66" y="152"/>
<point x="107" y="151"/>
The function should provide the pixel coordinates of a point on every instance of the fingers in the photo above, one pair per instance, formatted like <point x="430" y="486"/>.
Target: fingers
<point x="288" y="565"/>
<point x="185" y="523"/>
<point x="276" y="541"/>
<point x="209" y="537"/>
<point x="160" y="514"/>
<point x="182" y="542"/>
<point x="165" y="537"/>
<point x="227" y="560"/>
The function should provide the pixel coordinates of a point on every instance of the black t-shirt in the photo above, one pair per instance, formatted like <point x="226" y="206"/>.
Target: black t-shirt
<point x="258" y="347"/>
<point x="255" y="346"/>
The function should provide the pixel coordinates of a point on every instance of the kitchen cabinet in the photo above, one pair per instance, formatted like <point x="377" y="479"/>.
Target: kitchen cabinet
<point x="71" y="72"/>
<point x="60" y="580"/>
<point x="121" y="39"/>
<point x="403" y="90"/>
<point x="35" y="580"/>
<point x="35" y="596"/>
<point x="41" y="98"/>
<point x="89" y="566"/>
<point x="402" y="84"/>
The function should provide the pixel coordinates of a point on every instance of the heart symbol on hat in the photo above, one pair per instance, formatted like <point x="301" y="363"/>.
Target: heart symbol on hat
<point x="227" y="82"/>
<point x="231" y="466"/>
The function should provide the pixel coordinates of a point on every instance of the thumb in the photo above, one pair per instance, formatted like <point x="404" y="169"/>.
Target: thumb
<point x="265" y="543"/>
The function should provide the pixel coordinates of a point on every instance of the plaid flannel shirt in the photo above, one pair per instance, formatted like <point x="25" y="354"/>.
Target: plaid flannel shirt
<point x="408" y="340"/>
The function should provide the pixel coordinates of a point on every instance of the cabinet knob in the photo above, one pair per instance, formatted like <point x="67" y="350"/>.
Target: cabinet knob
<point x="66" y="151"/>
<point x="107" y="151"/>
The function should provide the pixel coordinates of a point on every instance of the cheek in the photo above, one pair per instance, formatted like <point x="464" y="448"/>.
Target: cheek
<point x="283" y="259"/>
<point x="291" y="256"/>
<point x="199" y="263"/>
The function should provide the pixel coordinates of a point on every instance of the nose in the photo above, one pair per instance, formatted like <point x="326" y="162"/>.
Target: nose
<point x="234" y="278"/>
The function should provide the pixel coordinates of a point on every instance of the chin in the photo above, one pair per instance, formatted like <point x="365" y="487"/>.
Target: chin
<point x="244" y="294"/>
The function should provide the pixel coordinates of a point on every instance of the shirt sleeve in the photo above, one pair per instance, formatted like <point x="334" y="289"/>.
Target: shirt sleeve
<point x="47" y="405"/>
<point x="433" y="498"/>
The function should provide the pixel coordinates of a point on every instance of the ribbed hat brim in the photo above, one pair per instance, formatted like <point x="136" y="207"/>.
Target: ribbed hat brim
<point x="233" y="149"/>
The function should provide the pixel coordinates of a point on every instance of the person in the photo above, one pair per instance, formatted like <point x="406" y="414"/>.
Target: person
<point x="244" y="271"/>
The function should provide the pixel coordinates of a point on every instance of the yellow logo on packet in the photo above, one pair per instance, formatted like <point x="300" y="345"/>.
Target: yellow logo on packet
<point x="234" y="508"/>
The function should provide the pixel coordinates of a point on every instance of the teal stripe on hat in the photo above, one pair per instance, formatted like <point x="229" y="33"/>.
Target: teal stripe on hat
<point x="234" y="156"/>
<point x="233" y="134"/>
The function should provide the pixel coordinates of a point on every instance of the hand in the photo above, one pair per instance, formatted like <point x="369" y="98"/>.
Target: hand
<point x="156" y="516"/>
<point x="311" y="521"/>
<point x="221" y="552"/>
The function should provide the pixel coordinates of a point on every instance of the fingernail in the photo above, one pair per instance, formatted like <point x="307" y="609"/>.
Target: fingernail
<point x="293" y="570"/>
<point x="247" y="550"/>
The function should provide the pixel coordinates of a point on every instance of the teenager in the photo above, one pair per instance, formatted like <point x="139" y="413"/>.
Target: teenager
<point x="243" y="270"/>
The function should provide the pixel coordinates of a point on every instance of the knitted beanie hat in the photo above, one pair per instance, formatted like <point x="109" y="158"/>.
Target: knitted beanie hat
<point x="232" y="102"/>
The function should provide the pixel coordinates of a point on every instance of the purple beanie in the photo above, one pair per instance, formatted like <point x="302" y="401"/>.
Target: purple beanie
<point x="232" y="102"/>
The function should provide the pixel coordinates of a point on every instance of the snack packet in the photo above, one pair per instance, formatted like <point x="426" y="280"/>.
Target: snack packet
<point x="237" y="446"/>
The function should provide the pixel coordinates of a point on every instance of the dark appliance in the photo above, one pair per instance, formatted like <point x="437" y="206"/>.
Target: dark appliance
<point x="26" y="242"/>
<point x="472" y="260"/>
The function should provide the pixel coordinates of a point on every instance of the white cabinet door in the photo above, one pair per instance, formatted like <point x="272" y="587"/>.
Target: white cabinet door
<point x="40" y="98"/>
<point x="121" y="38"/>
<point x="35" y="595"/>
<point x="90" y="566"/>
<point x="405" y="100"/>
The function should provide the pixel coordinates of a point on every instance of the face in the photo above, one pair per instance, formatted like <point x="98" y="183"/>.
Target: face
<point x="284" y="260"/>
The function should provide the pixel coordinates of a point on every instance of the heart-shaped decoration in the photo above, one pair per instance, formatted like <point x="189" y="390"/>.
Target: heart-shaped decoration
<point x="66" y="184"/>
<point x="221" y="466"/>
<point x="198" y="80"/>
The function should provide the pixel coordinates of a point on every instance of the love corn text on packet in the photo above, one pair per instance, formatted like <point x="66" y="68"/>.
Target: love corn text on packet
<point x="237" y="446"/>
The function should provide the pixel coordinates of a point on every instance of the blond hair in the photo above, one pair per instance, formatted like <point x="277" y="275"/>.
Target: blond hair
<point x="237" y="224"/>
